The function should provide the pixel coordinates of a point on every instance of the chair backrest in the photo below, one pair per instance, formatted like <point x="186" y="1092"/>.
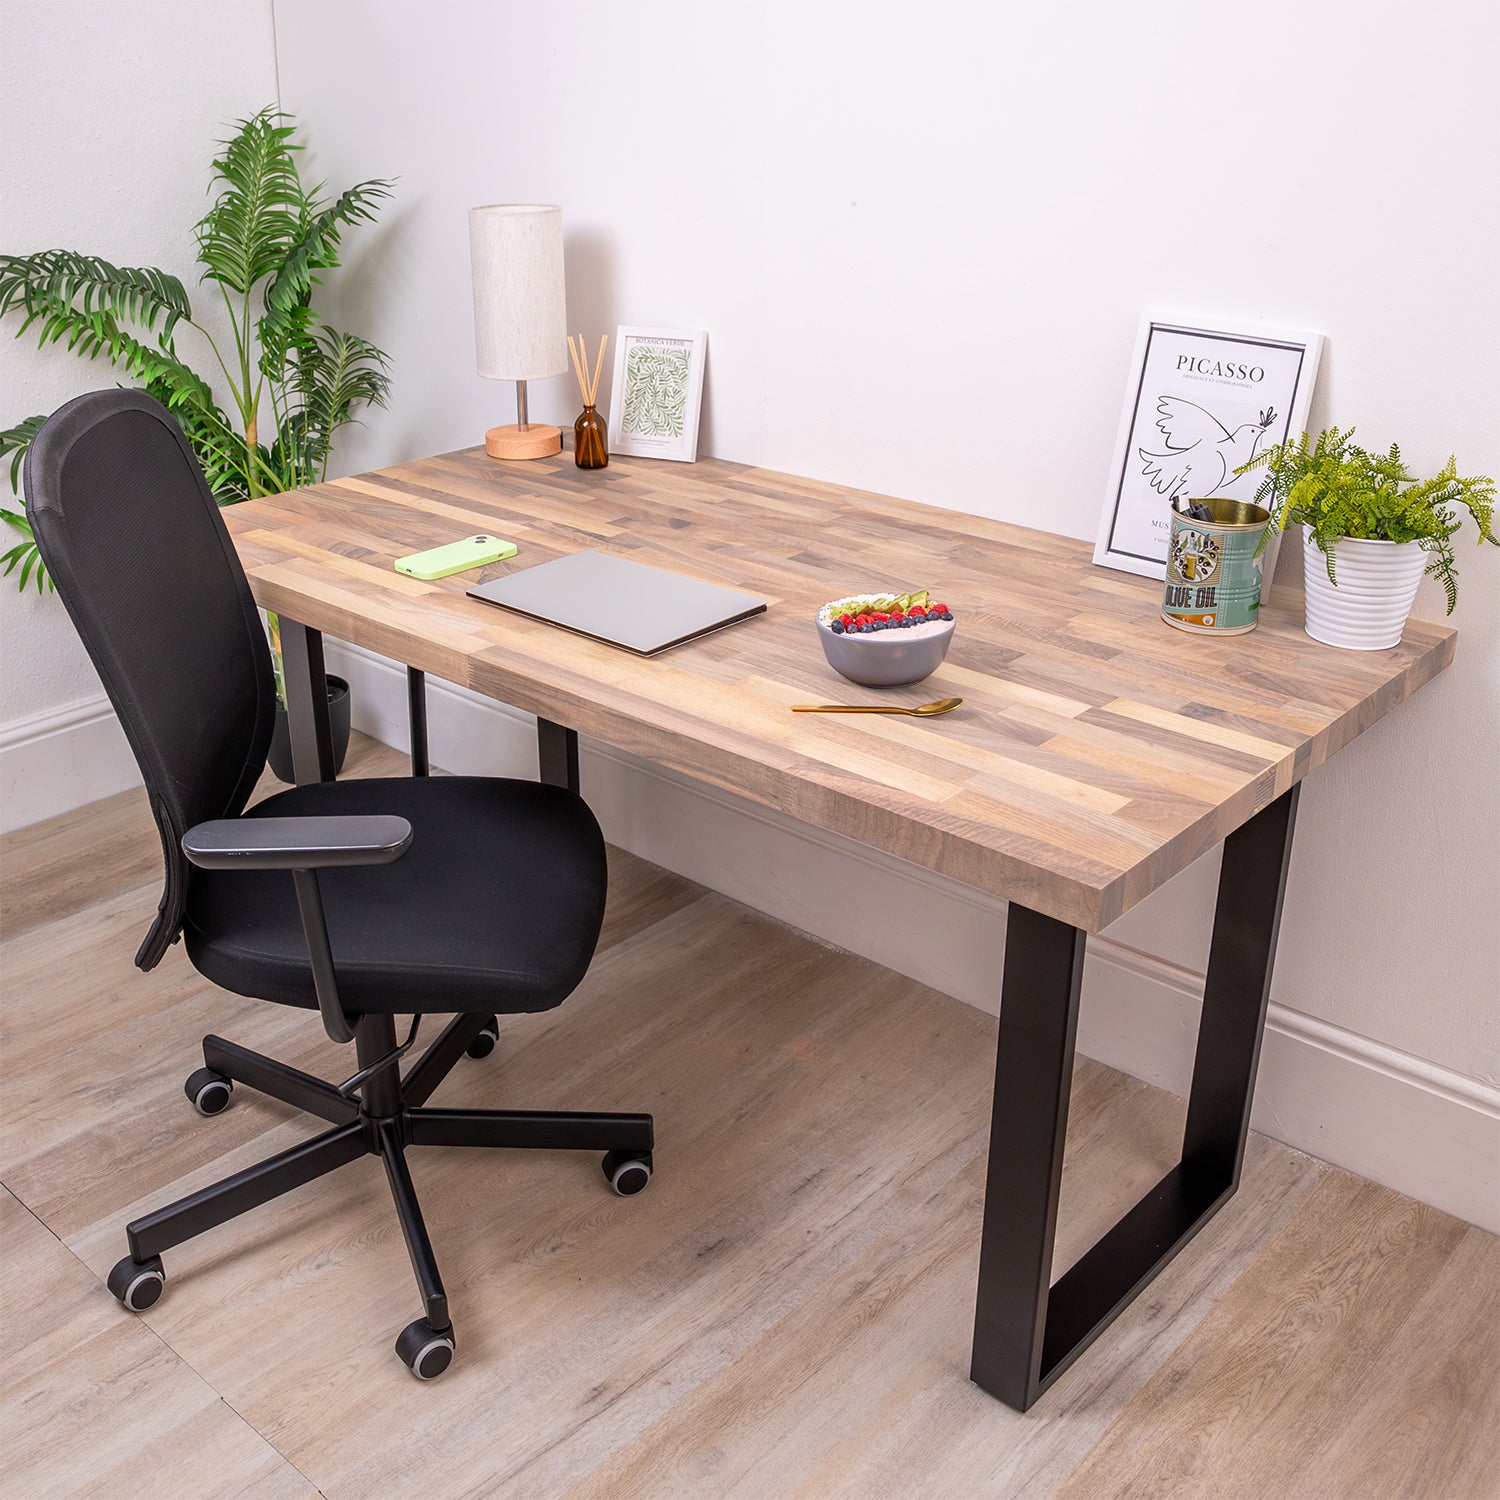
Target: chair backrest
<point x="145" y="568"/>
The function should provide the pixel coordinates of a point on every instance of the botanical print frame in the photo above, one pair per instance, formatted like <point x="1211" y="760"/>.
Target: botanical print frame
<point x="657" y="393"/>
<point x="1201" y="401"/>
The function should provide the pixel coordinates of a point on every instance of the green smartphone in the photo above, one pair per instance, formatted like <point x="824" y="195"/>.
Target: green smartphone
<point x="455" y="557"/>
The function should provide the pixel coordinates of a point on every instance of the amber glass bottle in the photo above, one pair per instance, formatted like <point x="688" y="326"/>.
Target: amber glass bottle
<point x="590" y="450"/>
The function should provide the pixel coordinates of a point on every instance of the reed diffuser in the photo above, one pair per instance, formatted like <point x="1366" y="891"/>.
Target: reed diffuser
<point x="590" y="448"/>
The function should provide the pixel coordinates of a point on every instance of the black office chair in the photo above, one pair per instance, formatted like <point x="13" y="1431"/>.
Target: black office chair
<point x="363" y="900"/>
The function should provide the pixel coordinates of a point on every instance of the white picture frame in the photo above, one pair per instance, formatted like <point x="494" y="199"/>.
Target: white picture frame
<point x="1202" y="399"/>
<point x="657" y="392"/>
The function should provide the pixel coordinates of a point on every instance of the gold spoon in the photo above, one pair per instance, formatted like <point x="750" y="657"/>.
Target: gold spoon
<point x="921" y="711"/>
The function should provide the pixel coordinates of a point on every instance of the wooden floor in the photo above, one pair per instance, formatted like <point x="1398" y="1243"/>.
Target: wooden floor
<point x="784" y="1313"/>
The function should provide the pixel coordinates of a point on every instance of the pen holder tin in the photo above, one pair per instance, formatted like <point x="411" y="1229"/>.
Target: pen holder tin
<point x="1214" y="569"/>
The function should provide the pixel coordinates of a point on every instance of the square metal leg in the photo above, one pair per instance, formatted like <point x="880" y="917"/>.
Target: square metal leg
<point x="306" y="702"/>
<point x="416" y="706"/>
<point x="1028" y="1331"/>
<point x="557" y="754"/>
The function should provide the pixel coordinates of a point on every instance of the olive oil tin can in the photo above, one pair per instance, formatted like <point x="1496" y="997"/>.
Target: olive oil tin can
<point x="1214" y="569"/>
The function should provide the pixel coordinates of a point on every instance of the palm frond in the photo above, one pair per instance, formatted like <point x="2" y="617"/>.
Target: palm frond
<point x="261" y="210"/>
<point x="281" y="332"/>
<point x="50" y="283"/>
<point x="336" y="372"/>
<point x="288" y="319"/>
<point x="317" y="248"/>
<point x="220" y="450"/>
<point x="25" y="555"/>
<point x="15" y="441"/>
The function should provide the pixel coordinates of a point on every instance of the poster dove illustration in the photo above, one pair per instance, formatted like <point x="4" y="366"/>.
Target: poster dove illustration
<point x="1201" y="453"/>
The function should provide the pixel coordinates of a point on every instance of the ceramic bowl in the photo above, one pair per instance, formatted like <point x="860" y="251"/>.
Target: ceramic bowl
<point x="888" y="658"/>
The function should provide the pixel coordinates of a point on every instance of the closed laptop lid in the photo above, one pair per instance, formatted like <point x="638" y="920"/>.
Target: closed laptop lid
<point x="618" y="601"/>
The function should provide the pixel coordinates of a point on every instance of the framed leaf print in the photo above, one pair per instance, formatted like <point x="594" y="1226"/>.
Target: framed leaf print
<point x="657" y="393"/>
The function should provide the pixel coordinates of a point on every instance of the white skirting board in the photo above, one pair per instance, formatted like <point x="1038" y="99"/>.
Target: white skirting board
<point x="1394" y="1118"/>
<point x="53" y="762"/>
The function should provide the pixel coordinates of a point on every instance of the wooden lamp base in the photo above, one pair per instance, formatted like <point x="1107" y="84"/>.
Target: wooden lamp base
<point x="535" y="440"/>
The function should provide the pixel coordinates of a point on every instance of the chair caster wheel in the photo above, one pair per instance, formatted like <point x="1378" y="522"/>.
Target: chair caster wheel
<point x="137" y="1284"/>
<point x="208" y="1091"/>
<point x="627" y="1172"/>
<point x="425" y="1353"/>
<point x="486" y="1041"/>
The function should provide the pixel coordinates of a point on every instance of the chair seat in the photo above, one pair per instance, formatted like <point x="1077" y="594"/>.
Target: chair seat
<point x="496" y="906"/>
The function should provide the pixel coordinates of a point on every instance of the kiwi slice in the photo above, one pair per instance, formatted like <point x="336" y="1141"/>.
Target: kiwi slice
<point x="887" y="602"/>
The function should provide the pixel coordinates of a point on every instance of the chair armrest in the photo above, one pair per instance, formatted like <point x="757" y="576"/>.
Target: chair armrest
<point x="296" y="843"/>
<point x="304" y="846"/>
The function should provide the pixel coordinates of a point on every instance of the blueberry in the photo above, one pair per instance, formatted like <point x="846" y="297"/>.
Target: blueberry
<point x="837" y="627"/>
<point x="947" y="614"/>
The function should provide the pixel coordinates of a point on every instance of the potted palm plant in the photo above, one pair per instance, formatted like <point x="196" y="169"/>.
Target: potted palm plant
<point x="1372" y="531"/>
<point x="291" y="379"/>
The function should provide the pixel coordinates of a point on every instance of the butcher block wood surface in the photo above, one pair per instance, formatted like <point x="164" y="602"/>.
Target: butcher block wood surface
<point x="1097" y="752"/>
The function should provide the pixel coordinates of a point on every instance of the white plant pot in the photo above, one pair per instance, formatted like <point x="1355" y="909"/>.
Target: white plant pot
<point x="1377" y="583"/>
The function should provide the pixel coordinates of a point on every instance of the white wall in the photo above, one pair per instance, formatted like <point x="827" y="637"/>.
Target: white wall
<point x="920" y="240"/>
<point x="108" y="114"/>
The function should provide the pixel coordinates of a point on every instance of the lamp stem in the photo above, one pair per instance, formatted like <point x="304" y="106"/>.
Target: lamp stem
<point x="521" y="421"/>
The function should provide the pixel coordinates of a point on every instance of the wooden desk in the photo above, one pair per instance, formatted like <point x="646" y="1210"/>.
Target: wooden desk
<point x="1098" y="752"/>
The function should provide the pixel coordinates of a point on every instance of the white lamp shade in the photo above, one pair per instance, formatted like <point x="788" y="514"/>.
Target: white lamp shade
<point x="520" y="320"/>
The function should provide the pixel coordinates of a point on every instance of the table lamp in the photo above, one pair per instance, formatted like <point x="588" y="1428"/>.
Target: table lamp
<point x="519" y="316"/>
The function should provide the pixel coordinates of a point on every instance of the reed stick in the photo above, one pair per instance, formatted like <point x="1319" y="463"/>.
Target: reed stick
<point x="579" y="366"/>
<point x="598" y="368"/>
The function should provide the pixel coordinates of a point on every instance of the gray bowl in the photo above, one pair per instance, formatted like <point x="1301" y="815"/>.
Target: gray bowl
<point x="888" y="658"/>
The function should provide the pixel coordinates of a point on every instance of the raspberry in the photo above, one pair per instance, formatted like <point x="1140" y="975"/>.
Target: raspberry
<point x="939" y="609"/>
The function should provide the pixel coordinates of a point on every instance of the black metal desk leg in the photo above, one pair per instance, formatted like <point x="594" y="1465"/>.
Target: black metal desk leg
<point x="1029" y="1120"/>
<point x="1027" y="1332"/>
<point x="1247" y="922"/>
<point x="557" y="754"/>
<point x="306" y="702"/>
<point x="416" y="705"/>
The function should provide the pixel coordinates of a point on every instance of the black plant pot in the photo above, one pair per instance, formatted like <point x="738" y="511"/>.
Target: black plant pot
<point x="281" y="737"/>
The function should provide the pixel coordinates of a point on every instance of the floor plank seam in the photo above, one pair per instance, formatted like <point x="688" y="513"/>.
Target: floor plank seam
<point x="176" y="1353"/>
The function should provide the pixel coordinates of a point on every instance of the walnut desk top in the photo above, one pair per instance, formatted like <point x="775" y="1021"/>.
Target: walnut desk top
<point x="1097" y="753"/>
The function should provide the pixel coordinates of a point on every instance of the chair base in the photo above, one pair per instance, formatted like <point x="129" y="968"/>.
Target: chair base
<point x="386" y="1117"/>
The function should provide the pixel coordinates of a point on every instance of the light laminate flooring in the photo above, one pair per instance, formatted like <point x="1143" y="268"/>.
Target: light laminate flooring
<point x="784" y="1313"/>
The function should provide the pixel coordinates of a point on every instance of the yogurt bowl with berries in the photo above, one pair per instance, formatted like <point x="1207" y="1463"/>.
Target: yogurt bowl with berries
<point x="885" y="639"/>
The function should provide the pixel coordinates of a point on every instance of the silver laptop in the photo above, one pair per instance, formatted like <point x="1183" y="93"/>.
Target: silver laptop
<point x="623" y="603"/>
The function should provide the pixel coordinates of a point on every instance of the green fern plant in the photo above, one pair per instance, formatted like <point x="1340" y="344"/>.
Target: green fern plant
<point x="1336" y="488"/>
<point x="291" y="379"/>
